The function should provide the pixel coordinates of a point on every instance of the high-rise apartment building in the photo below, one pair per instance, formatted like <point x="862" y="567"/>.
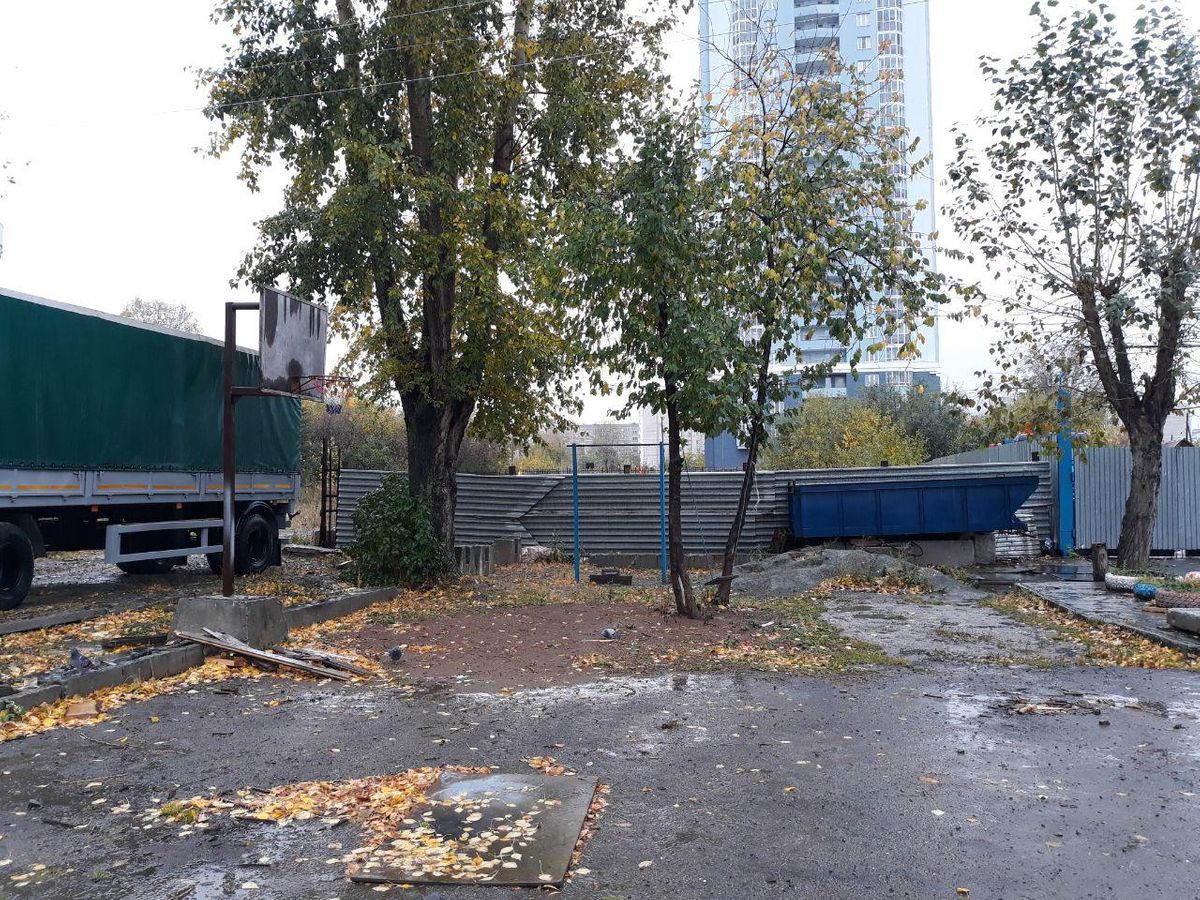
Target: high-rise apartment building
<point x="870" y="36"/>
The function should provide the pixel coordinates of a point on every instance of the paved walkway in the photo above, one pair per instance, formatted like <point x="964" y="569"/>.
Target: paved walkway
<point x="1092" y="602"/>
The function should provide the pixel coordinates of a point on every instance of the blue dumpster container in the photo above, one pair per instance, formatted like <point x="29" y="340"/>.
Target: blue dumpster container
<point x="910" y="507"/>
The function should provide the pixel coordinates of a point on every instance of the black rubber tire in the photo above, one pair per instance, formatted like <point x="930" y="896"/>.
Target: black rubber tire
<point x="147" y="567"/>
<point x="256" y="537"/>
<point x="16" y="565"/>
<point x="257" y="540"/>
<point x="214" y="562"/>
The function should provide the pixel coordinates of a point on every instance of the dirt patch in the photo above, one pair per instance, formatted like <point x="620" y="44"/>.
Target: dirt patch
<point x="537" y="646"/>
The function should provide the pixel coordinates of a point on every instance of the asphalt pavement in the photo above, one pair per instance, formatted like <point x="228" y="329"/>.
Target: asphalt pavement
<point x="1005" y="782"/>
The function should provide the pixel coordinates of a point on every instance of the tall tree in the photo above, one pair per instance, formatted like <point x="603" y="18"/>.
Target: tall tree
<point x="933" y="419"/>
<point x="836" y="432"/>
<point x="1085" y="200"/>
<point x="643" y="251"/>
<point x="428" y="145"/>
<point x="809" y="164"/>
<point x="178" y="316"/>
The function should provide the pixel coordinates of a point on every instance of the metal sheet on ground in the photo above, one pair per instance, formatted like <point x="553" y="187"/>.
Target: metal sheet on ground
<point x="499" y="829"/>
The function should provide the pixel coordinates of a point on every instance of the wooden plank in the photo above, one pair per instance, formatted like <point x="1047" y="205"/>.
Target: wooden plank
<point x="135" y="640"/>
<point x="67" y="617"/>
<point x="232" y="645"/>
<point x="337" y="660"/>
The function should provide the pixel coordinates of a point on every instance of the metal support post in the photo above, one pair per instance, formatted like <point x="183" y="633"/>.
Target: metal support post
<point x="229" y="445"/>
<point x="662" y="507"/>
<point x="575" y="503"/>
<point x="1066" y="476"/>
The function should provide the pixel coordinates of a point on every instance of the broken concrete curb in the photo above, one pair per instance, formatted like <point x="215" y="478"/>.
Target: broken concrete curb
<point x="174" y="660"/>
<point x="324" y="610"/>
<point x="1184" y="619"/>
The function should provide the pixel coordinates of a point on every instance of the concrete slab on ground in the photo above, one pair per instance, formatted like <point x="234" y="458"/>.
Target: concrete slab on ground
<point x="931" y="628"/>
<point x="1091" y="601"/>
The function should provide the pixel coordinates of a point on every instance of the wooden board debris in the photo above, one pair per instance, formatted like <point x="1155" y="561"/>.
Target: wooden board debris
<point x="222" y="641"/>
<point x="335" y="660"/>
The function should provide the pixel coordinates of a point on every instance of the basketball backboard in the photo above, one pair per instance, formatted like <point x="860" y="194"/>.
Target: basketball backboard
<point x="292" y="344"/>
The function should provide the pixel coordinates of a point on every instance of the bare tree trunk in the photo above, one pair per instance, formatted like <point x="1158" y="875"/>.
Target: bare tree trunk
<point x="1141" y="509"/>
<point x="681" y="583"/>
<point x="739" y="517"/>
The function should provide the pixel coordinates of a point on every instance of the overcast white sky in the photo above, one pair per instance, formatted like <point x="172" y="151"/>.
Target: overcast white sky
<point x="113" y="201"/>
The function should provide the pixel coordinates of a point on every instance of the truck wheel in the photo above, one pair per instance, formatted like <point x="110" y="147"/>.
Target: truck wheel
<point x="256" y="540"/>
<point x="214" y="562"/>
<point x="147" y="567"/>
<point x="16" y="565"/>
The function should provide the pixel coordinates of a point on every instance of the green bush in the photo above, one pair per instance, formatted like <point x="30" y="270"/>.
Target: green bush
<point x="394" y="538"/>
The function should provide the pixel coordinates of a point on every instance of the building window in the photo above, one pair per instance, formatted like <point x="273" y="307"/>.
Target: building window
<point x="812" y="68"/>
<point x="862" y="20"/>
<point x="813" y="44"/>
<point x="818" y="20"/>
<point x="864" y="43"/>
<point x="804" y="4"/>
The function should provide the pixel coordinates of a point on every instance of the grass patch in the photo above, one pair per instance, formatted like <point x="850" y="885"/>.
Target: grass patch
<point x="962" y="637"/>
<point x="803" y="641"/>
<point x="183" y="813"/>
<point x="1101" y="645"/>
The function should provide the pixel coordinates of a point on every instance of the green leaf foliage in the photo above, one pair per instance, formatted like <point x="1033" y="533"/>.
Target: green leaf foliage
<point x="427" y="147"/>
<point x="1082" y="202"/>
<point x="836" y="432"/>
<point x="395" y="542"/>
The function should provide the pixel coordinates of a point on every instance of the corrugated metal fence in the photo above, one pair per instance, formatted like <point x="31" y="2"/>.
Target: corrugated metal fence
<point x="620" y="513"/>
<point x="1102" y="478"/>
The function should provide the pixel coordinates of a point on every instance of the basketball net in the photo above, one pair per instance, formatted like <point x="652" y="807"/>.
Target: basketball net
<point x="337" y="393"/>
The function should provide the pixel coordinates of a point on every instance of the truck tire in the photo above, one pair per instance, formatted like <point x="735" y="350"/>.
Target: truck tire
<point x="256" y="545"/>
<point x="257" y="537"/>
<point x="16" y="565"/>
<point x="147" y="566"/>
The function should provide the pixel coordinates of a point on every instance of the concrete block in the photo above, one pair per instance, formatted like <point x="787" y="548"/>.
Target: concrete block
<point x="87" y="682"/>
<point x="257" y="621"/>
<point x="36" y="696"/>
<point x="985" y="549"/>
<point x="506" y="551"/>
<point x="1184" y="619"/>
<point x="474" y="559"/>
<point x="175" y="660"/>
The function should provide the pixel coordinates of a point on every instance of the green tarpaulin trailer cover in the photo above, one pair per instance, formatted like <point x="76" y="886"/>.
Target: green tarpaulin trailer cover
<point x="83" y="390"/>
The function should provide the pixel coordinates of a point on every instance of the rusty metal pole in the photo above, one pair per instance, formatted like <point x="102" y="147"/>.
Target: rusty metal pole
<point x="229" y="443"/>
<point x="229" y="452"/>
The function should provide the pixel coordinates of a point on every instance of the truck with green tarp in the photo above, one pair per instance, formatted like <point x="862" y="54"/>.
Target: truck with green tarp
<point x="111" y="437"/>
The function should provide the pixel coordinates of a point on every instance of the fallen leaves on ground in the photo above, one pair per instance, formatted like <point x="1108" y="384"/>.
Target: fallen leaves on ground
<point x="547" y="765"/>
<point x="1103" y="645"/>
<point x="395" y="835"/>
<point x="33" y="652"/>
<point x="56" y="714"/>
<point x="890" y="583"/>
<point x="214" y="669"/>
